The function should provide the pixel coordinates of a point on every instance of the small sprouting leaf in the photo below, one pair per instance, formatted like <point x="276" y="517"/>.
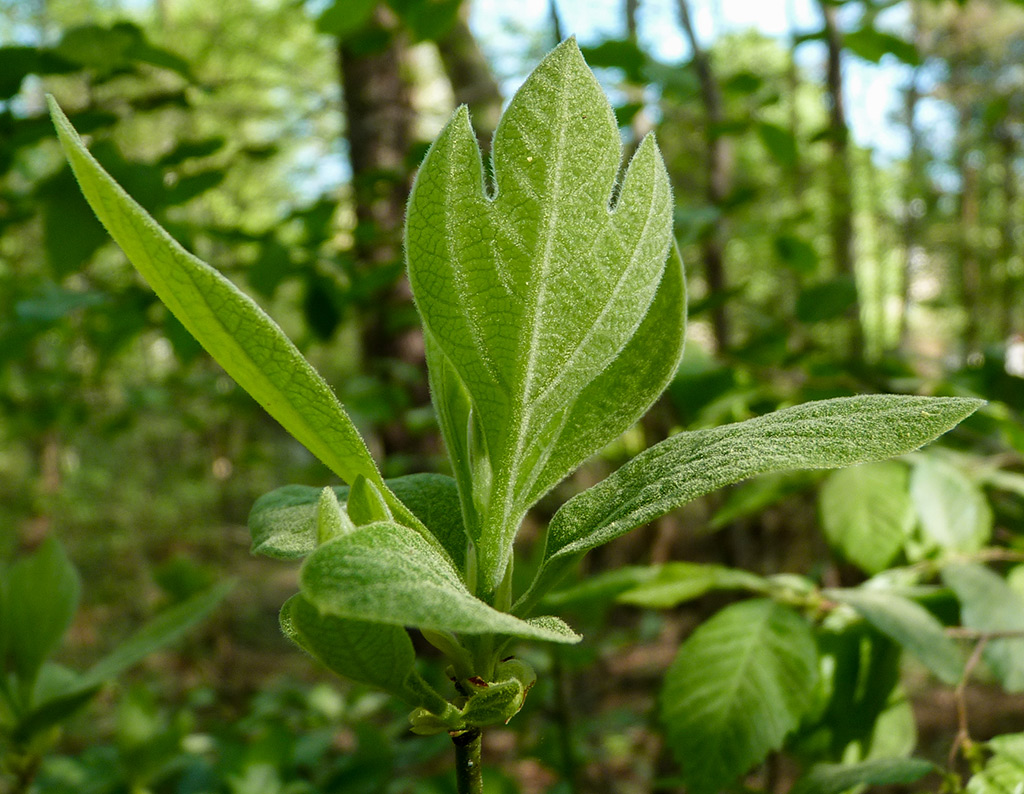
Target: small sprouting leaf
<point x="385" y="573"/>
<point x="954" y="511"/>
<point x="495" y="704"/>
<point x="283" y="522"/>
<point x="331" y="520"/>
<point x="233" y="329"/>
<point x="738" y="686"/>
<point x="867" y="514"/>
<point x="677" y="582"/>
<point x="910" y="625"/>
<point x="988" y="603"/>
<point x="825" y="434"/>
<point x="1004" y="771"/>
<point x="532" y="293"/>
<point x="839" y="778"/>
<point x="40" y="599"/>
<point x="366" y="504"/>
<point x="164" y="629"/>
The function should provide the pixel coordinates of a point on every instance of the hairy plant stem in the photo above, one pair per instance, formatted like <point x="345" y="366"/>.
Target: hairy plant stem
<point x="468" y="774"/>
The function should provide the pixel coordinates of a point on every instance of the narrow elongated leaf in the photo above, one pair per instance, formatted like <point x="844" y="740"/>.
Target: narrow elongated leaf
<point x="166" y="628"/>
<point x="383" y="573"/>
<point x="825" y="434"/>
<point x="41" y="597"/>
<point x="1004" y="771"/>
<point x="988" y="603"/>
<point x="533" y="293"/>
<point x="867" y="514"/>
<point x="283" y="522"/>
<point x="954" y="512"/>
<point x="678" y="582"/>
<point x="53" y="711"/>
<point x="738" y="686"/>
<point x="840" y="778"/>
<point x="910" y="625"/>
<point x="233" y="329"/>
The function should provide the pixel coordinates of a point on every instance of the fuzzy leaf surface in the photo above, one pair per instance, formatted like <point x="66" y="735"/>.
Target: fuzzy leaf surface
<point x="531" y="294"/>
<point x="910" y="625"/>
<point x="737" y="687"/>
<point x="385" y="573"/>
<point x="247" y="343"/>
<point x="867" y="513"/>
<point x="283" y="522"/>
<point x="824" y="434"/>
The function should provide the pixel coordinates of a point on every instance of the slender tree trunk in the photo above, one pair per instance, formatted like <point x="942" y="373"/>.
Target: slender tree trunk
<point x="556" y="21"/>
<point x="470" y="77"/>
<point x="1009" y="289"/>
<point x="914" y="183"/>
<point x="842" y="193"/>
<point x="379" y="116"/>
<point x="719" y="176"/>
<point x="969" y="211"/>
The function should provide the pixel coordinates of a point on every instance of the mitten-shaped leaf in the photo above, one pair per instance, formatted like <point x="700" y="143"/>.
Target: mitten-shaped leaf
<point x="532" y="293"/>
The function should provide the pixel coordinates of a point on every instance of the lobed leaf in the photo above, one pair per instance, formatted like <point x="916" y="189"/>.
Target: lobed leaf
<point x="910" y="625"/>
<point x="737" y="687"/>
<point x="247" y="343"/>
<point x="824" y="434"/>
<point x="531" y="294"/>
<point x="383" y="573"/>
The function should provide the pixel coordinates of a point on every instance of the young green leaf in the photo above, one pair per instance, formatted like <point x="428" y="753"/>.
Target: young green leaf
<point x="1004" y="771"/>
<point x="988" y="603"/>
<point x="840" y="778"/>
<point x="331" y="520"/>
<point x="910" y="625"/>
<point x="867" y="514"/>
<point x="384" y="573"/>
<point x="533" y="293"/>
<point x="233" y="329"/>
<point x="41" y="596"/>
<point x="954" y="512"/>
<point x="365" y="503"/>
<point x="738" y="686"/>
<point x="825" y="434"/>
<point x="283" y="522"/>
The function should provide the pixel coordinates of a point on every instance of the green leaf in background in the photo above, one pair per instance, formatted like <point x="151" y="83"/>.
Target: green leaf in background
<point x="41" y="592"/>
<point x="910" y="625"/>
<point x="825" y="434"/>
<point x="779" y="141"/>
<point x="233" y="329"/>
<point x="954" y="512"/>
<point x="867" y="514"/>
<point x="678" y="582"/>
<point x="163" y="630"/>
<point x="738" y="686"/>
<point x="988" y="603"/>
<point x="1004" y="771"/>
<point x="344" y="17"/>
<point x="840" y="778"/>
<point x="283" y="522"/>
<point x="535" y="292"/>
<point x="385" y="573"/>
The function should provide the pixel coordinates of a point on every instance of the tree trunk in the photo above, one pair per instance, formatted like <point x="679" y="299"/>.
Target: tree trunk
<point x="915" y="181"/>
<point x="719" y="177"/>
<point x="1009" y="289"/>
<point x="842" y="194"/>
<point x="470" y="77"/>
<point x="379" y="116"/>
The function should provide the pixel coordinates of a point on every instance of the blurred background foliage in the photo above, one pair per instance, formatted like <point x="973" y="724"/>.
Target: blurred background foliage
<point x="277" y="139"/>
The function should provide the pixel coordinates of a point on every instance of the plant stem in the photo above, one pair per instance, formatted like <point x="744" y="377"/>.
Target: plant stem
<point x="468" y="774"/>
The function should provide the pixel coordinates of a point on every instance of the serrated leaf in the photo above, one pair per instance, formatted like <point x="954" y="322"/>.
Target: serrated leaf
<point x="738" y="686"/>
<point x="867" y="514"/>
<point x="233" y="329"/>
<point x="385" y="573"/>
<point x="677" y="582"/>
<point x="531" y="294"/>
<point x="988" y="603"/>
<point x="954" y="512"/>
<point x="825" y="434"/>
<point x="910" y="625"/>
<point x="163" y="630"/>
<point x="41" y="597"/>
<point x="283" y="522"/>
<point x="1004" y="771"/>
<point x="839" y="778"/>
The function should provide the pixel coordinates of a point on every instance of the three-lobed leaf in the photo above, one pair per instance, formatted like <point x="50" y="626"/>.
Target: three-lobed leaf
<point x="530" y="294"/>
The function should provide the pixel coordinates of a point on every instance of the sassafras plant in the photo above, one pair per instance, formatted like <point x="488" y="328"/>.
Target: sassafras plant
<point x="553" y="307"/>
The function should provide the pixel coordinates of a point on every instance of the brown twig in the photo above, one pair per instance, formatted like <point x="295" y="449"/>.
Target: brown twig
<point x="963" y="735"/>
